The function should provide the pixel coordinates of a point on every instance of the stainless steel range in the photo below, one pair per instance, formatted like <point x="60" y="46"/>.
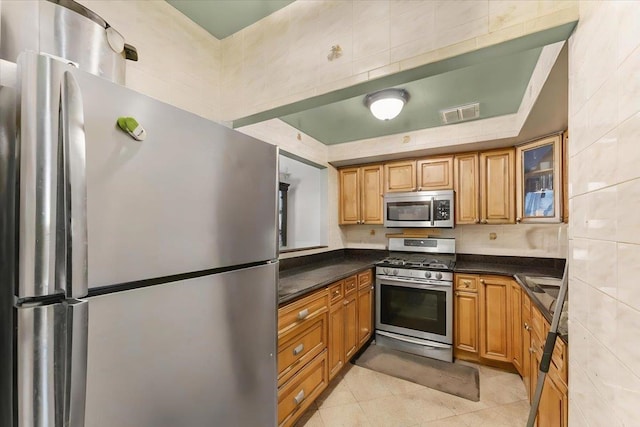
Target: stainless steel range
<point x="414" y="297"/>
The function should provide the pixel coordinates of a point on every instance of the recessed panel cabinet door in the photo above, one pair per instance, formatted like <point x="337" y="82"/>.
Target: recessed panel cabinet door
<point x="371" y="207"/>
<point x="400" y="176"/>
<point x="466" y="189"/>
<point x="435" y="173"/>
<point x="466" y="321"/>
<point x="516" y="329"/>
<point x="365" y="315"/>
<point x="497" y="186"/>
<point x="336" y="339"/>
<point x="495" y="326"/>
<point x="349" y="196"/>
<point x="351" y="325"/>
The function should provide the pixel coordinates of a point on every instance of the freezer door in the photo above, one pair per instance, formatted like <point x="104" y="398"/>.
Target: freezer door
<point x="199" y="352"/>
<point x="193" y="195"/>
<point x="51" y="349"/>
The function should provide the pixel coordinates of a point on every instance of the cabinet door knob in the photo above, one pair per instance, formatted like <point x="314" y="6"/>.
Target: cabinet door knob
<point x="532" y="350"/>
<point x="419" y="188"/>
<point x="303" y="314"/>
<point x="518" y="220"/>
<point x="482" y="281"/>
<point x="477" y="220"/>
<point x="484" y="221"/>
<point x="466" y="283"/>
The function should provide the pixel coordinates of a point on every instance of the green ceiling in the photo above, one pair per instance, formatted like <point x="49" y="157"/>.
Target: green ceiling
<point x="225" y="17"/>
<point x="497" y="85"/>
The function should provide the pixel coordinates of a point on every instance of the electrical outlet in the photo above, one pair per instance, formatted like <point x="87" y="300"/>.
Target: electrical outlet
<point x="493" y="236"/>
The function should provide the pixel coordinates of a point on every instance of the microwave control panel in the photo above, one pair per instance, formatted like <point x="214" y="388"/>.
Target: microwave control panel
<point x="442" y="210"/>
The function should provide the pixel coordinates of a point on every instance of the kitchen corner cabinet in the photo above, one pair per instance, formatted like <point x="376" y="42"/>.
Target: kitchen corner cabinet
<point x="361" y="195"/>
<point x="400" y="176"/>
<point x="497" y="186"/>
<point x="495" y="325"/>
<point x="465" y="309"/>
<point x="539" y="180"/>
<point x="435" y="173"/>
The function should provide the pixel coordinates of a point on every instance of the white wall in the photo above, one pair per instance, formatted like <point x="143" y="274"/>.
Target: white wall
<point x="179" y="62"/>
<point x="306" y="213"/>
<point x="604" y="230"/>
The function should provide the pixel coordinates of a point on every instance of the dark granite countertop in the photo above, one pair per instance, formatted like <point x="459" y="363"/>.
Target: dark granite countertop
<point x="301" y="275"/>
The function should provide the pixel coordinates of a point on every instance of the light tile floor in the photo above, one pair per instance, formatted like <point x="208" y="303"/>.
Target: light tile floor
<point x="361" y="397"/>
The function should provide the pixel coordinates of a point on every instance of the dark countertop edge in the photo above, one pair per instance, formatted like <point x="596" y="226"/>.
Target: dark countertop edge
<point x="290" y="297"/>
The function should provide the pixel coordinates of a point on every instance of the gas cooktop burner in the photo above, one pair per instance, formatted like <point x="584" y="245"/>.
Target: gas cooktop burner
<point x="441" y="262"/>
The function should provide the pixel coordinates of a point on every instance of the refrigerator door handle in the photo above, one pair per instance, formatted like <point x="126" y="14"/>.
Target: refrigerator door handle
<point x="76" y="372"/>
<point x="74" y="188"/>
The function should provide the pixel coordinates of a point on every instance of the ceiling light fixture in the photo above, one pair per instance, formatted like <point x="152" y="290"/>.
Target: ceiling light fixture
<point x="386" y="104"/>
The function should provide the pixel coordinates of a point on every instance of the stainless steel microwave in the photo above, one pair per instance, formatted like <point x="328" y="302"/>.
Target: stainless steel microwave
<point x="419" y="209"/>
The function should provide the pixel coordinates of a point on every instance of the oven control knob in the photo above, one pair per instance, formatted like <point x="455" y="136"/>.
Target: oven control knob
<point x="438" y="275"/>
<point x="386" y="270"/>
<point x="427" y="274"/>
<point x="395" y="272"/>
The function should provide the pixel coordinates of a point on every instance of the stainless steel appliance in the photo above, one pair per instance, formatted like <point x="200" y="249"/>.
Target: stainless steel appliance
<point x="137" y="289"/>
<point x="414" y="297"/>
<point x="65" y="29"/>
<point x="419" y="209"/>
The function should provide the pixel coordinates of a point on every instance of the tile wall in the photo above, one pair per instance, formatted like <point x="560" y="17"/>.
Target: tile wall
<point x="283" y="58"/>
<point x="604" y="230"/>
<point x="179" y="61"/>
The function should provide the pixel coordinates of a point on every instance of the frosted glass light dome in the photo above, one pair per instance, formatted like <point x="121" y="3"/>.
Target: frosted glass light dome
<point x="386" y="104"/>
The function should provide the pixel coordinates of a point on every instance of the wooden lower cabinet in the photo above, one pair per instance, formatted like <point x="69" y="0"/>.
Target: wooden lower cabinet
<point x="299" y="393"/>
<point x="465" y="322"/>
<point x="336" y="340"/>
<point x="495" y="327"/>
<point x="365" y="314"/>
<point x="350" y="325"/>
<point x="525" y="328"/>
<point x="515" y="302"/>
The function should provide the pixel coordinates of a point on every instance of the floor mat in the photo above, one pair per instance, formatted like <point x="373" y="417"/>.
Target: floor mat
<point x="459" y="380"/>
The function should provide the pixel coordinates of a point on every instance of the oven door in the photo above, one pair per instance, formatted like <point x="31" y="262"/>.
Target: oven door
<point x="421" y="309"/>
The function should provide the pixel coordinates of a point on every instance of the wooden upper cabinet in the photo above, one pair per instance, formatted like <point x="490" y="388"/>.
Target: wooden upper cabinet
<point x="539" y="180"/>
<point x="400" y="176"/>
<point x="497" y="186"/>
<point x="361" y="195"/>
<point x="371" y="195"/>
<point x="349" y="195"/>
<point x="435" y="173"/>
<point x="466" y="188"/>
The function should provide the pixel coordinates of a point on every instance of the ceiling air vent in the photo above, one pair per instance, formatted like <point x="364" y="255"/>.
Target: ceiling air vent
<point x="458" y="114"/>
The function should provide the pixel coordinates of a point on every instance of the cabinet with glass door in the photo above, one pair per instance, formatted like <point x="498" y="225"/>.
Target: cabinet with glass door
<point x="538" y="183"/>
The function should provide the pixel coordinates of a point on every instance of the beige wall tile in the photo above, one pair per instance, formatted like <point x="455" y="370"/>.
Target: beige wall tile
<point x="628" y="206"/>
<point x="628" y="149"/>
<point x="627" y="327"/>
<point x="627" y="395"/>
<point x="503" y="14"/>
<point x="628" y="272"/>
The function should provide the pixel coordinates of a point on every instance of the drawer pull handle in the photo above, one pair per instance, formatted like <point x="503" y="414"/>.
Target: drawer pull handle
<point x="466" y="283"/>
<point x="303" y="314"/>
<point x="298" y="349"/>
<point x="299" y="397"/>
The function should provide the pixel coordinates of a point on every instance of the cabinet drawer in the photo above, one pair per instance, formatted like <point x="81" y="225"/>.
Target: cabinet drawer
<point x="309" y="340"/>
<point x="301" y="311"/>
<point x="299" y="393"/>
<point x="466" y="283"/>
<point x="336" y="292"/>
<point x="364" y="279"/>
<point x="350" y="285"/>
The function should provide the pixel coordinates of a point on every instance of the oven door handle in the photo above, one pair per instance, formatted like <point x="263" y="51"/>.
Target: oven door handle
<point x="414" y="283"/>
<point x="413" y="341"/>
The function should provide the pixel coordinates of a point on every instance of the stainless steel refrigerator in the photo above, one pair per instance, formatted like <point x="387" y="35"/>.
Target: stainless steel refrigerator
<point x="139" y="278"/>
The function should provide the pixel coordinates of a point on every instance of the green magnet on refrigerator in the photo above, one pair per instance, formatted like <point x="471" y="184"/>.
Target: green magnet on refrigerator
<point x="132" y="127"/>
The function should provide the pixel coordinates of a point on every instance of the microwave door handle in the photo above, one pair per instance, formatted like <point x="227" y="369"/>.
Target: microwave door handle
<point x="433" y="222"/>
